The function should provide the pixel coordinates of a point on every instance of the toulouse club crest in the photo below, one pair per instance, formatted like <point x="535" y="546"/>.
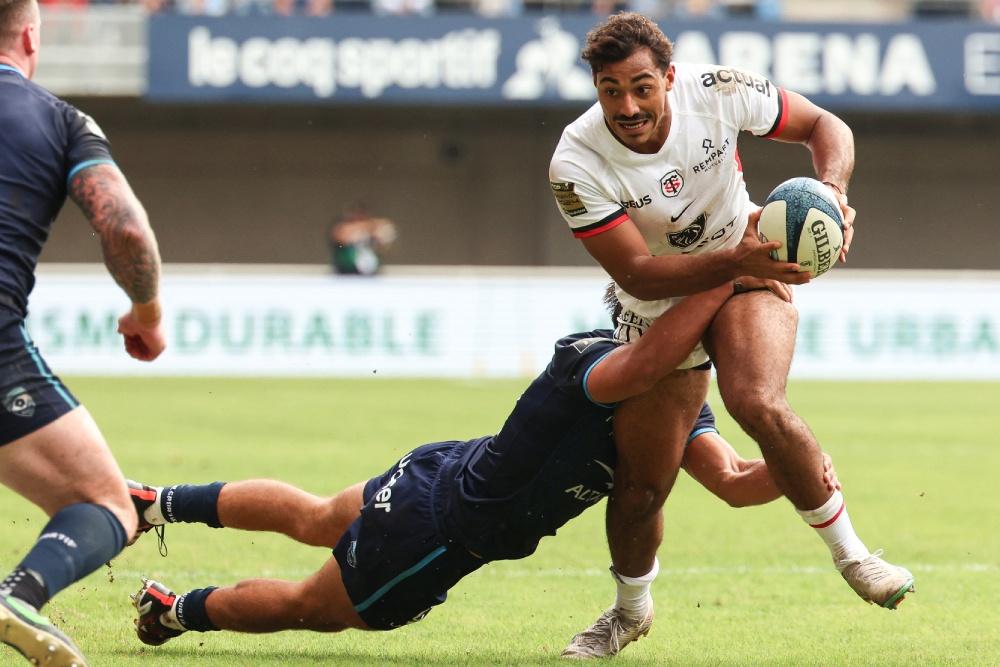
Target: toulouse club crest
<point x="671" y="183"/>
<point x="690" y="234"/>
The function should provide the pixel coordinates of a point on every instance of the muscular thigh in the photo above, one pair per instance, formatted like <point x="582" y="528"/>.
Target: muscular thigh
<point x="751" y="342"/>
<point x="64" y="462"/>
<point x="651" y="429"/>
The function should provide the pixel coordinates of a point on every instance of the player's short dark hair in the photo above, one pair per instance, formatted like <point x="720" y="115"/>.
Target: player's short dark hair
<point x="12" y="14"/>
<point x="623" y="34"/>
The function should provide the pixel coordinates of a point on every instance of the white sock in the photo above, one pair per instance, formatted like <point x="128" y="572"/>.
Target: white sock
<point x="834" y="526"/>
<point x="153" y="513"/>
<point x="633" y="592"/>
<point x="169" y="617"/>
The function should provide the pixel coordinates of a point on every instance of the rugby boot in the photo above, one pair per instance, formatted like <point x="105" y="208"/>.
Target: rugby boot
<point x="877" y="581"/>
<point x="152" y="603"/>
<point x="609" y="635"/>
<point x="146" y="500"/>
<point x="34" y="637"/>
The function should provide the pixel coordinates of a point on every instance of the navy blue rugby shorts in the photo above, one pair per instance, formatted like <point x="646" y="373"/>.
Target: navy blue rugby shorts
<point x="30" y="395"/>
<point x="393" y="562"/>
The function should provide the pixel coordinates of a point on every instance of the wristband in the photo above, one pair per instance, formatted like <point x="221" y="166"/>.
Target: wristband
<point x="842" y="192"/>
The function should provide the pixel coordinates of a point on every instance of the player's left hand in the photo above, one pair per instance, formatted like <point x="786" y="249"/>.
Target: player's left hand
<point x="143" y="332"/>
<point x="829" y="474"/>
<point x="848" y="214"/>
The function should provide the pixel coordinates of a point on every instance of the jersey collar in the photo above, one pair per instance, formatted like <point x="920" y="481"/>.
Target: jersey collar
<point x="12" y="69"/>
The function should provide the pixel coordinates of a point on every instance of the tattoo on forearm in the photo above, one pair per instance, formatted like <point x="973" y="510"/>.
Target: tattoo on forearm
<point x="128" y="243"/>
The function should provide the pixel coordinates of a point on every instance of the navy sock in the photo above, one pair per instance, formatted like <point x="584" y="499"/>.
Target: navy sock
<point x="192" y="503"/>
<point x="75" y="542"/>
<point x="191" y="612"/>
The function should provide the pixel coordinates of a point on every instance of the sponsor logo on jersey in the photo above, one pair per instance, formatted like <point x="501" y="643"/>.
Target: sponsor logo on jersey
<point x="671" y="183"/>
<point x="91" y="125"/>
<point x="383" y="499"/>
<point x="611" y="473"/>
<point x="633" y="203"/>
<point x="690" y="234"/>
<point x="713" y="156"/>
<point x="584" y="343"/>
<point x="716" y="235"/>
<point x="725" y="81"/>
<point x="675" y="218"/>
<point x="588" y="495"/>
<point x="585" y="495"/>
<point x="567" y="198"/>
<point x="19" y="402"/>
<point x="421" y="616"/>
<point x="352" y="554"/>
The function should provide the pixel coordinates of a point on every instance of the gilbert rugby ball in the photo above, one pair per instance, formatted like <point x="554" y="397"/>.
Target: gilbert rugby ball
<point x="805" y="216"/>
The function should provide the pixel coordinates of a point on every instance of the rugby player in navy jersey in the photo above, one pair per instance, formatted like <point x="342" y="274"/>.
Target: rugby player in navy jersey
<point x="51" y="451"/>
<point x="403" y="538"/>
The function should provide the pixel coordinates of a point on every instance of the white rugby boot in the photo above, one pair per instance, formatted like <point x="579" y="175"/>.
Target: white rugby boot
<point x="609" y="635"/>
<point x="877" y="581"/>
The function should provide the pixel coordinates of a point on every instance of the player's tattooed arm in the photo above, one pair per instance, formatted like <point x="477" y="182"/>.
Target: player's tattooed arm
<point x="127" y="240"/>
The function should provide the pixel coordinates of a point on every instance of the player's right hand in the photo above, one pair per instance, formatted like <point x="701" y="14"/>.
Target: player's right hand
<point x="753" y="258"/>
<point x="143" y="332"/>
<point x="829" y="474"/>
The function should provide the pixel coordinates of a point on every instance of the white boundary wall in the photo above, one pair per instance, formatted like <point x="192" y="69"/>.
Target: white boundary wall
<point x="486" y="322"/>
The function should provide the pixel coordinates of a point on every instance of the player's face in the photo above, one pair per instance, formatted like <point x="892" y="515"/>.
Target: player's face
<point x="633" y="95"/>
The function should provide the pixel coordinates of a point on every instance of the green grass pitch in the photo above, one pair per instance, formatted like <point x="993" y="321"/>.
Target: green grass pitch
<point x="919" y="462"/>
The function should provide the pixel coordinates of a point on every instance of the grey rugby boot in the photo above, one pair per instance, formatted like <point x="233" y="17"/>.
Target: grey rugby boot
<point x="877" y="581"/>
<point x="34" y="637"/>
<point x="608" y="635"/>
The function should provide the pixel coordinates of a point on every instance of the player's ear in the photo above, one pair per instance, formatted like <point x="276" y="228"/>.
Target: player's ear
<point x="669" y="76"/>
<point x="29" y="39"/>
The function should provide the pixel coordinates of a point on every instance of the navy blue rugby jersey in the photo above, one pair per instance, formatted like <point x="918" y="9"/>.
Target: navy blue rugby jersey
<point x="43" y="143"/>
<point x="554" y="457"/>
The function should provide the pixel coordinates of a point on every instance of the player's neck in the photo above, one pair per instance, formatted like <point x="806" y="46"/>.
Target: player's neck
<point x="9" y="61"/>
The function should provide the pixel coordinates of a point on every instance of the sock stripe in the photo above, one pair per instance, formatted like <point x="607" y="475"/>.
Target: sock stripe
<point x="831" y="521"/>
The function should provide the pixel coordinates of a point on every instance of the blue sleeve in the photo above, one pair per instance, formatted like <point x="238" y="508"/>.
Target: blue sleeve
<point x="86" y="143"/>
<point x="576" y="356"/>
<point x="704" y="424"/>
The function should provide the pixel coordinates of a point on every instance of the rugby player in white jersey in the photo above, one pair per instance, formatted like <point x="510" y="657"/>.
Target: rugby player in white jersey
<point x="650" y="181"/>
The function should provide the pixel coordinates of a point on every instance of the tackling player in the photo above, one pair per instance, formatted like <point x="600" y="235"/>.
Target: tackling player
<point x="649" y="179"/>
<point x="51" y="451"/>
<point x="402" y="539"/>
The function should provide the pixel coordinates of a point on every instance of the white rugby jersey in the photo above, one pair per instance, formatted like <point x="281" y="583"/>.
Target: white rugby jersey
<point x="690" y="196"/>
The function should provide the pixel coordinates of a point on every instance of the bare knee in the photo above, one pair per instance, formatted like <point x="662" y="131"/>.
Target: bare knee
<point x="312" y="609"/>
<point x="639" y="498"/>
<point x="120" y="504"/>
<point x="760" y="413"/>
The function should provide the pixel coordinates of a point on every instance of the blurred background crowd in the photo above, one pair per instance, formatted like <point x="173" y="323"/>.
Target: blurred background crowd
<point x="783" y="10"/>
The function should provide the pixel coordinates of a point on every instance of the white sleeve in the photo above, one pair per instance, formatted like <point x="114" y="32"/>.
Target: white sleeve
<point x="749" y="101"/>
<point x="584" y="205"/>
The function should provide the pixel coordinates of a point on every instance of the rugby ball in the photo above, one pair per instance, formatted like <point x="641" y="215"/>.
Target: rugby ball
<point x="805" y="216"/>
